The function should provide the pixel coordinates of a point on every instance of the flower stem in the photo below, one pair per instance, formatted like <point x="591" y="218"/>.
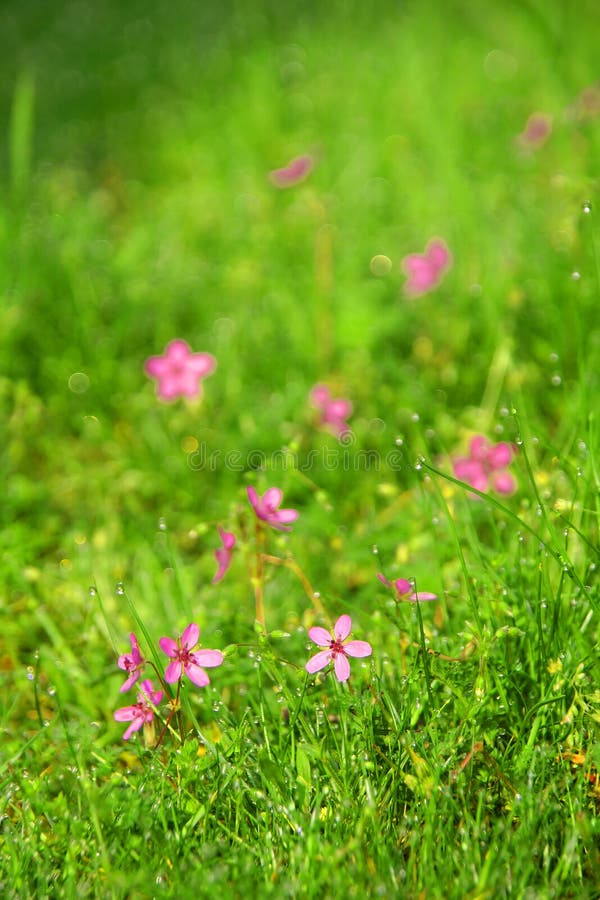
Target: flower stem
<point x="259" y="577"/>
<point x="293" y="566"/>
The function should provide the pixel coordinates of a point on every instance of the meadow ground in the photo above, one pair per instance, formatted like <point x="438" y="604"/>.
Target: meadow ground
<point x="431" y="257"/>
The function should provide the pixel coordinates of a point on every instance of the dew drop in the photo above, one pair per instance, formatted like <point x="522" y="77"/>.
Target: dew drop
<point x="399" y="441"/>
<point x="575" y="276"/>
<point x="556" y="379"/>
<point x="162" y="525"/>
<point x="92" y="591"/>
<point x="586" y="208"/>
<point x="415" y="417"/>
<point x="79" y="382"/>
<point x="375" y="549"/>
<point x="316" y="595"/>
<point x="120" y="589"/>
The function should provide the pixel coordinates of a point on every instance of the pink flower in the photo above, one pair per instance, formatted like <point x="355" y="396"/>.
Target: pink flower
<point x="333" y="412"/>
<point x="179" y="371"/>
<point x="133" y="663"/>
<point x="266" y="508"/>
<point x="295" y="172"/>
<point x="335" y="648"/>
<point x="223" y="554"/>
<point x="536" y="132"/>
<point x="142" y="712"/>
<point x="404" y="591"/>
<point x="485" y="466"/>
<point x="187" y="660"/>
<point x="425" y="270"/>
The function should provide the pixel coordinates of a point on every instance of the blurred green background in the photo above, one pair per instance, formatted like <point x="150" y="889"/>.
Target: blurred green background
<point x="136" y="208"/>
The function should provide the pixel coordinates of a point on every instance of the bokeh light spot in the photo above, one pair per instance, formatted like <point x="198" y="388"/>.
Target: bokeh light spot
<point x="79" y="382"/>
<point x="380" y="265"/>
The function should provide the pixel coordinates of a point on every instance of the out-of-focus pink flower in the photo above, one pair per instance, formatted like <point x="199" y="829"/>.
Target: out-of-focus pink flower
<point x="223" y="554"/>
<point x="179" y="371"/>
<point x="404" y="590"/>
<point x="267" y="508"/>
<point x="538" y="129"/>
<point x="133" y="663"/>
<point x="485" y="468"/>
<point x="587" y="104"/>
<point x="336" y="648"/>
<point x="185" y="659"/>
<point x="333" y="412"/>
<point x="293" y="173"/>
<point x="142" y="712"/>
<point x="426" y="270"/>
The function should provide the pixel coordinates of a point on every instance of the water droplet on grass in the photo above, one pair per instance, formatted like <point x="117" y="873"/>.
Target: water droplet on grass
<point x="575" y="276"/>
<point x="162" y="525"/>
<point x="586" y="208"/>
<point x="120" y="589"/>
<point x="92" y="591"/>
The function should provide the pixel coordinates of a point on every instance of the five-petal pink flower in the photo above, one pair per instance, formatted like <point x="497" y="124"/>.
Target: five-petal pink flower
<point x="267" y="508"/>
<point x="426" y="270"/>
<point x="536" y="132"/>
<point x="133" y="663"/>
<point x="223" y="554"/>
<point x="404" y="590"/>
<point x="336" y="648"/>
<point x="179" y="371"/>
<point x="186" y="659"/>
<point x="334" y="412"/>
<point x="142" y="712"/>
<point x="485" y="467"/>
<point x="293" y="173"/>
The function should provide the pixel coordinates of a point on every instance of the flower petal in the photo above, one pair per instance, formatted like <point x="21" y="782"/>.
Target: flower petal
<point x="135" y="726"/>
<point x="272" y="497"/>
<point x="402" y="586"/>
<point x="500" y="455"/>
<point x="318" y="661"/>
<point x="504" y="483"/>
<point x="421" y="596"/>
<point x="173" y="672"/>
<point x="253" y="498"/>
<point x="438" y="254"/>
<point x="197" y="675"/>
<point x="129" y="682"/>
<point x="201" y="364"/>
<point x="320" y="395"/>
<point x="319" y="636"/>
<point x="342" y="628"/>
<point x="178" y="350"/>
<point x="190" y="636"/>
<point x="208" y="658"/>
<point x="287" y="515"/>
<point x="126" y="713"/>
<point x="341" y="667"/>
<point x="168" y="646"/>
<point x="227" y="539"/>
<point x="358" y="648"/>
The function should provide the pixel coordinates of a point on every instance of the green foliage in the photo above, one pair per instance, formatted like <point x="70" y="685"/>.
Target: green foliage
<point x="461" y="759"/>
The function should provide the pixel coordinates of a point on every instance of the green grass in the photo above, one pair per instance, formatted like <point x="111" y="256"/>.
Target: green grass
<point x="461" y="758"/>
